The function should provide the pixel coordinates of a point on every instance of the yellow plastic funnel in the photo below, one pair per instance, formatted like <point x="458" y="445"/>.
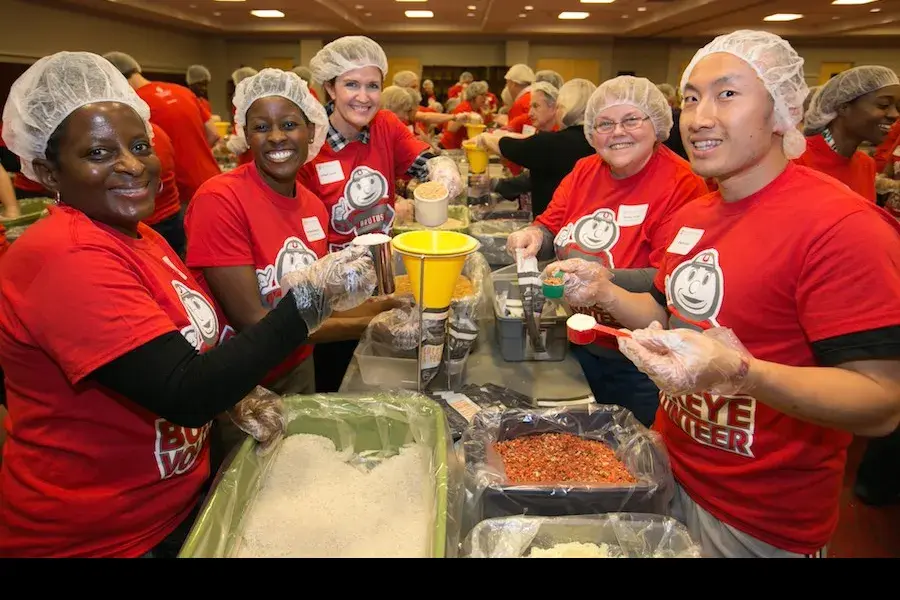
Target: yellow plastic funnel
<point x="444" y="255"/>
<point x="477" y="157"/>
<point x="222" y="128"/>
<point x="473" y="129"/>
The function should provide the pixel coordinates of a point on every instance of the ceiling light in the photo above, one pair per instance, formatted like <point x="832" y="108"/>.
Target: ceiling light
<point x="217" y="14"/>
<point x="523" y="15"/>
<point x="783" y="17"/>
<point x="359" y="7"/>
<point x="267" y="14"/>
<point x="472" y="7"/>
<point x="597" y="1"/>
<point x="851" y="2"/>
<point x="367" y="15"/>
<point x="529" y="7"/>
<point x="624" y="16"/>
<point x="569" y="14"/>
<point x="835" y="18"/>
<point x="470" y="14"/>
<point x="874" y="10"/>
<point x="230" y="0"/>
<point x="419" y="14"/>
<point x="412" y="0"/>
<point x="193" y="6"/>
<point x="642" y="9"/>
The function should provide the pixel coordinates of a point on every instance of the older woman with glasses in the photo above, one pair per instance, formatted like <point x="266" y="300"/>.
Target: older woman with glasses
<point x="614" y="208"/>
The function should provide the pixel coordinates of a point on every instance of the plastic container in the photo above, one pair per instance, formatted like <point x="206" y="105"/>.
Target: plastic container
<point x="642" y="451"/>
<point x="454" y="211"/>
<point x="493" y="234"/>
<point x="512" y="333"/>
<point x="627" y="535"/>
<point x="474" y="129"/>
<point x="477" y="158"/>
<point x="366" y="423"/>
<point x="384" y="372"/>
<point x="431" y="212"/>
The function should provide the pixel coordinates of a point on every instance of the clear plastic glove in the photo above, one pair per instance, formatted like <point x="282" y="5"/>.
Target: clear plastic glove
<point x="337" y="282"/>
<point x="404" y="210"/>
<point x="586" y="283"/>
<point x="886" y="185"/>
<point x="237" y="145"/>
<point x="683" y="361"/>
<point x="528" y="240"/>
<point x="261" y="415"/>
<point x="443" y="169"/>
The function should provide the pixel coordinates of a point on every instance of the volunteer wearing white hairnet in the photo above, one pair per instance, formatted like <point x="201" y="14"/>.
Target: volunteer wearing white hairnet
<point x="675" y="143"/>
<point x="518" y="81"/>
<point x="175" y="109"/>
<point x="428" y="93"/>
<point x="456" y="90"/>
<point x="111" y="393"/>
<point x="541" y="114"/>
<point x="238" y="144"/>
<point x="473" y="109"/>
<point x="548" y="156"/>
<point x="613" y="212"/>
<point x="425" y="115"/>
<point x="858" y="105"/>
<point x="366" y="149"/>
<point x="798" y="268"/>
<point x="197" y="79"/>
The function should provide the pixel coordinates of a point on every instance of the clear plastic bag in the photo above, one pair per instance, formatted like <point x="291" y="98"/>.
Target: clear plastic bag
<point x="642" y="451"/>
<point x="493" y="235"/>
<point x="369" y="429"/>
<point x="461" y="407"/>
<point x="616" y="535"/>
<point x="394" y="333"/>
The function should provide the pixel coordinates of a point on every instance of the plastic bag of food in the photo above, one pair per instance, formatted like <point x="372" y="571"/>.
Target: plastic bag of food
<point x="241" y="518"/>
<point x="261" y="416"/>
<point x="492" y="234"/>
<point x="394" y="333"/>
<point x="461" y="407"/>
<point x="613" y="535"/>
<point x="521" y="461"/>
<point x="532" y="298"/>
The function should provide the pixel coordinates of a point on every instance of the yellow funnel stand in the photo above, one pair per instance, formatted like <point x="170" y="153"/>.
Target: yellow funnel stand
<point x="477" y="157"/>
<point x="444" y="254"/>
<point x="474" y="129"/>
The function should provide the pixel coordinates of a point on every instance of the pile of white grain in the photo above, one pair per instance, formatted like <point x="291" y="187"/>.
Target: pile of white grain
<point x="314" y="504"/>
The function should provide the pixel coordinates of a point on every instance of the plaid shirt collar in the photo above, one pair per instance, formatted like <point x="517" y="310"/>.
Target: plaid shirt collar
<point x="336" y="139"/>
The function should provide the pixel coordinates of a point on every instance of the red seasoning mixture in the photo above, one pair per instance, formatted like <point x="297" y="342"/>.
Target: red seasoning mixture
<point x="560" y="458"/>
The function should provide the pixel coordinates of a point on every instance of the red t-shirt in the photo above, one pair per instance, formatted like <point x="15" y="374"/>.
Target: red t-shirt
<point x="453" y="140"/>
<point x="886" y="148"/>
<point x="205" y="109"/>
<point x="522" y="106"/>
<point x="357" y="183"/>
<point x="856" y="172"/>
<point x="455" y="90"/>
<point x="86" y="472"/>
<point x="175" y="109"/>
<point x="621" y="223"/>
<point x="236" y="219"/>
<point x="168" y="202"/>
<point x="4" y="244"/>
<point x="793" y="276"/>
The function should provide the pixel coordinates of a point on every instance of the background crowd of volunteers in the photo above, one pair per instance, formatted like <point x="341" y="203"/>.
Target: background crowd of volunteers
<point x="734" y="225"/>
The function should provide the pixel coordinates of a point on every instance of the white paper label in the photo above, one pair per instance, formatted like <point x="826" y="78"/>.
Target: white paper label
<point x="528" y="130"/>
<point x="330" y="172"/>
<point x="463" y="405"/>
<point x="313" y="229"/>
<point x="685" y="241"/>
<point x="632" y="215"/>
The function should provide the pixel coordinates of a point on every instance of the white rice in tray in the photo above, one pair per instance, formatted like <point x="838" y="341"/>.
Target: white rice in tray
<point x="313" y="504"/>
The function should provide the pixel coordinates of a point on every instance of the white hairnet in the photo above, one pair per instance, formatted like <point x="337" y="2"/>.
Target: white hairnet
<point x="304" y="73"/>
<point x="668" y="91"/>
<point x="125" y="63"/>
<point x="466" y="77"/>
<point x="52" y="89"/>
<point x="427" y="82"/>
<point x="197" y="73"/>
<point x="243" y="73"/>
<point x="573" y="99"/>
<point x="520" y="74"/>
<point x="398" y="99"/>
<point x="841" y="89"/>
<point x="345" y="54"/>
<point x="475" y="89"/>
<point x="547" y="89"/>
<point x="638" y="92"/>
<point x="506" y="97"/>
<point x="551" y="77"/>
<point x="405" y="79"/>
<point x="780" y="69"/>
<point x="289" y="85"/>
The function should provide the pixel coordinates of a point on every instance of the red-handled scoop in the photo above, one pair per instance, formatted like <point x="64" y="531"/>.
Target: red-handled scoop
<point x="583" y="329"/>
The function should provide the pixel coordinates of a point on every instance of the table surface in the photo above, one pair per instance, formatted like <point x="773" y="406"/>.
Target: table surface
<point x="542" y="380"/>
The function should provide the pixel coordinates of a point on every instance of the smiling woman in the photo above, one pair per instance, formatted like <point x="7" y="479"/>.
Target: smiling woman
<point x="111" y="350"/>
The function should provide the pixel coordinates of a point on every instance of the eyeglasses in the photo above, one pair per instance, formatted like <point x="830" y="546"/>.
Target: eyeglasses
<point x="629" y="124"/>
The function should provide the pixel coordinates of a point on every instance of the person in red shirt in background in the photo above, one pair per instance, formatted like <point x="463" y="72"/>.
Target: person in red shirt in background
<point x="457" y="89"/>
<point x="237" y="144"/>
<point x="424" y="116"/>
<point x="197" y="79"/>
<point x="168" y="214"/>
<point x="175" y="109"/>
<point x="885" y="149"/>
<point x="470" y="110"/>
<point x="526" y="123"/>
<point x="615" y="209"/>
<point x="858" y="105"/>
<point x="110" y="393"/>
<point x="518" y="81"/>
<point x="780" y="335"/>
<point x="355" y="172"/>
<point x="306" y="75"/>
<point x="428" y="95"/>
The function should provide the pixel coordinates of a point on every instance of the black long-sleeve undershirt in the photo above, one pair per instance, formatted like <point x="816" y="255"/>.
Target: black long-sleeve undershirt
<point x="170" y="378"/>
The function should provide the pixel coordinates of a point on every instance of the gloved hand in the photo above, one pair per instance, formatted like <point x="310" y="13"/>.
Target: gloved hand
<point x="586" y="283"/>
<point x="404" y="210"/>
<point x="261" y="415"/>
<point x="444" y="170"/>
<point x="237" y="145"/>
<point x="528" y="240"/>
<point x="886" y="185"/>
<point x="683" y="361"/>
<point x="337" y="282"/>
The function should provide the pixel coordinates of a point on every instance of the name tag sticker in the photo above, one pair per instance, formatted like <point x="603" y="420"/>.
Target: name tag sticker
<point x="528" y="130"/>
<point x="313" y="229"/>
<point x="685" y="241"/>
<point x="632" y="215"/>
<point x="330" y="172"/>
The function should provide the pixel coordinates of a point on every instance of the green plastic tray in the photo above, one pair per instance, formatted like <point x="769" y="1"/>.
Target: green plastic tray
<point x="375" y="421"/>
<point x="31" y="209"/>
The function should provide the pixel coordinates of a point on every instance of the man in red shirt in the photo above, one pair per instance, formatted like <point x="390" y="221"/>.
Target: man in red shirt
<point x="457" y="88"/>
<point x="518" y="81"/>
<point x="757" y="430"/>
<point x="175" y="109"/>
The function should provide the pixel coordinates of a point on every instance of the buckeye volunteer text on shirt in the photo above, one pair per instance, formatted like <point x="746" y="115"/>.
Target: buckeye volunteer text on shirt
<point x="621" y="223"/>
<point x="781" y="288"/>
<point x="357" y="183"/>
<point x="236" y="220"/>
<point x="87" y="472"/>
